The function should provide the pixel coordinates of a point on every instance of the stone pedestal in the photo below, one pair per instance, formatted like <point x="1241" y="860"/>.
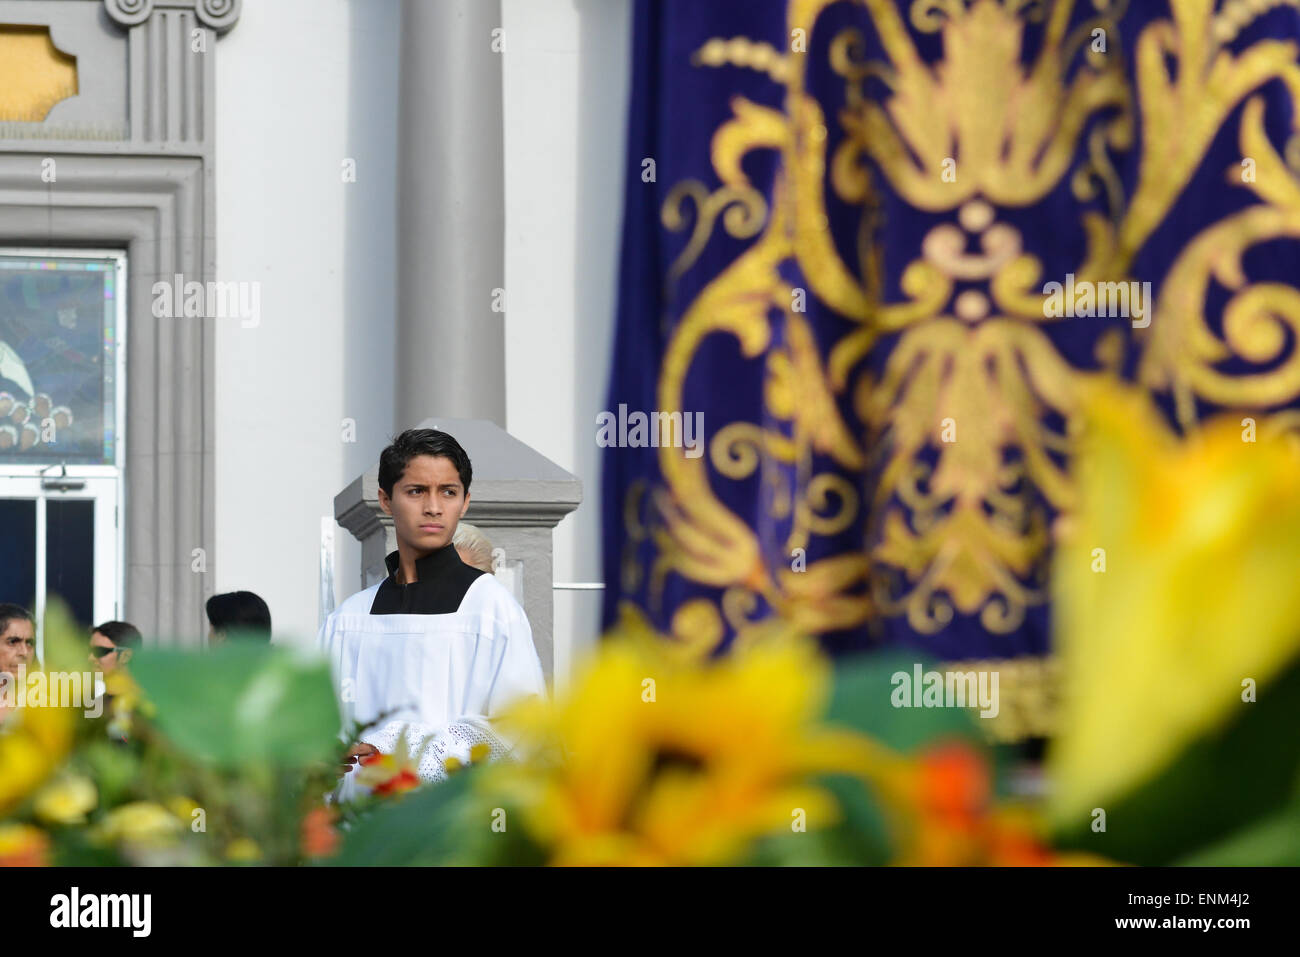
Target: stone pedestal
<point x="517" y="496"/>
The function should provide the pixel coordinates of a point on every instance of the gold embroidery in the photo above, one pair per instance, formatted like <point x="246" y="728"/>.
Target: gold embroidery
<point x="961" y="526"/>
<point x="1028" y="696"/>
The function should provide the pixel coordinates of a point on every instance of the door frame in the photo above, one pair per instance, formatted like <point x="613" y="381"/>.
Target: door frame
<point x="104" y="484"/>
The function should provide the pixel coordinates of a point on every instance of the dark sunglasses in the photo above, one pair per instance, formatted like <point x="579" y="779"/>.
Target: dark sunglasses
<point x="100" y="652"/>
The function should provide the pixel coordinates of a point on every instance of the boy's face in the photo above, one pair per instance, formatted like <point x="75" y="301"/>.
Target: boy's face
<point x="427" y="503"/>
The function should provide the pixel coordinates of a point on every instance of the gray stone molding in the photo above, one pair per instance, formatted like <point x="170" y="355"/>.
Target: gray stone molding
<point x="133" y="151"/>
<point x="154" y="208"/>
<point x="218" y="15"/>
<point x="517" y="497"/>
<point x="142" y="85"/>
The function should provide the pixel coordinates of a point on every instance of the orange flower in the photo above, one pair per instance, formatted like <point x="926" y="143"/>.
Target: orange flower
<point x="958" y="823"/>
<point x="1013" y="842"/>
<point x="319" y="839"/>
<point x="403" y="780"/>
<point x="23" y="846"/>
<point x="387" y="774"/>
<point x="955" y="784"/>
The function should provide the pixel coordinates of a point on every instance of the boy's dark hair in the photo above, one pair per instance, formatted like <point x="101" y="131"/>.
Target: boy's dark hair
<point x="121" y="633"/>
<point x="240" y="612"/>
<point x="394" y="459"/>
<point x="9" y="611"/>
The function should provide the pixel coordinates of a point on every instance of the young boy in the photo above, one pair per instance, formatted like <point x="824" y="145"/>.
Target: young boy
<point x="437" y="647"/>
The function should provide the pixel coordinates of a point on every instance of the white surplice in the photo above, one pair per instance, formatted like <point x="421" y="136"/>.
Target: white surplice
<point x="433" y="674"/>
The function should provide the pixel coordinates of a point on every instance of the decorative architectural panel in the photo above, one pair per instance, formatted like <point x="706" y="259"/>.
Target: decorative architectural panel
<point x="126" y="162"/>
<point x="34" y="73"/>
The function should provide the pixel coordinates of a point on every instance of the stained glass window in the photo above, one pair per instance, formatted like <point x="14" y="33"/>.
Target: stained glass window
<point x="58" y="360"/>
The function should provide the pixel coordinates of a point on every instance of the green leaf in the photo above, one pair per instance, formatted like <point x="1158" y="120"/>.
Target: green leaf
<point x="66" y="645"/>
<point x="242" y="703"/>
<point x="1224" y="782"/>
<point x="443" y="823"/>
<point x="115" y="769"/>
<point x="72" y="848"/>
<point x="863" y="699"/>
<point x="1273" y="842"/>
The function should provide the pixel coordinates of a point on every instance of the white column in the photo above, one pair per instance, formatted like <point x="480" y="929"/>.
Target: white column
<point x="450" y="214"/>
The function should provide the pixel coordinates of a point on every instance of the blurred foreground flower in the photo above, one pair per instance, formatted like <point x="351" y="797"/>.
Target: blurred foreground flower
<point x="182" y="807"/>
<point x="33" y="742"/>
<point x="650" y="760"/>
<point x="141" y="824"/>
<point x="125" y="702"/>
<point x="766" y="755"/>
<point x="67" y="800"/>
<point x="957" y="822"/>
<point x="466" y="757"/>
<point x="319" y="838"/>
<point x="22" y="845"/>
<point x="1175" y="592"/>
<point x="243" y="850"/>
<point x="386" y="774"/>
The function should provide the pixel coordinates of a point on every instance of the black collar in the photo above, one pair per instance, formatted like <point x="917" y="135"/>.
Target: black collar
<point x="435" y="565"/>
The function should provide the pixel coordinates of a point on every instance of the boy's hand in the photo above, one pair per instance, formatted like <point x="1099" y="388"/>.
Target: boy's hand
<point x="355" y="753"/>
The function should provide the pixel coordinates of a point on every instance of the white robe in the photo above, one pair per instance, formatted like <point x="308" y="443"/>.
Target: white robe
<point x="429" y="671"/>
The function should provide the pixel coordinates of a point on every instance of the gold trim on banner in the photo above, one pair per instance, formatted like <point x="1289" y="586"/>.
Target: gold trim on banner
<point x="961" y="525"/>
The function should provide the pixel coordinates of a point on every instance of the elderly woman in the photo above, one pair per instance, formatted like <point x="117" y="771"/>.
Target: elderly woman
<point x="473" y="547"/>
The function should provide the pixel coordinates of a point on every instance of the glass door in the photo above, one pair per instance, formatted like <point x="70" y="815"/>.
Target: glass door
<point x="59" y="536"/>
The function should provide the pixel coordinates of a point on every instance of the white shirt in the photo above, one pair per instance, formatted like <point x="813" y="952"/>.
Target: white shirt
<point x="430" y="670"/>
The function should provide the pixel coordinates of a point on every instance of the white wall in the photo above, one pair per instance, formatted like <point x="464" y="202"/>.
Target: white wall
<point x="292" y="103"/>
<point x="302" y="85"/>
<point x="565" y="85"/>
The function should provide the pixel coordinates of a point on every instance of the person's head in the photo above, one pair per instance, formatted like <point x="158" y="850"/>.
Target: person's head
<point x="17" y="638"/>
<point x="113" y="643"/>
<point x="473" y="546"/>
<point x="238" y="614"/>
<point x="424" y="481"/>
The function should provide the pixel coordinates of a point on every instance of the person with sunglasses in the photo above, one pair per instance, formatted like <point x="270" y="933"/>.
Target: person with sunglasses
<point x="113" y="643"/>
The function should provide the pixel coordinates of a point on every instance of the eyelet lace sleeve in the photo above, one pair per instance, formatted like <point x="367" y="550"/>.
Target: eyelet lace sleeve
<point x="433" y="747"/>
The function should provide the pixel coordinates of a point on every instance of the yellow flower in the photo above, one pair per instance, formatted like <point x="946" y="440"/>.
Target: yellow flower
<point x="669" y="762"/>
<point x="33" y="742"/>
<point x="141" y="823"/>
<point x="22" y="845"/>
<point x="127" y="698"/>
<point x="1199" y="540"/>
<point x="243" y="850"/>
<point x="66" y="801"/>
<point x="182" y="807"/>
<point x="478" y="753"/>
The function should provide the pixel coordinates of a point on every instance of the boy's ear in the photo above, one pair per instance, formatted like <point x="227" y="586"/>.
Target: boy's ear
<point x="124" y="655"/>
<point x="385" y="503"/>
<point x="465" y="506"/>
